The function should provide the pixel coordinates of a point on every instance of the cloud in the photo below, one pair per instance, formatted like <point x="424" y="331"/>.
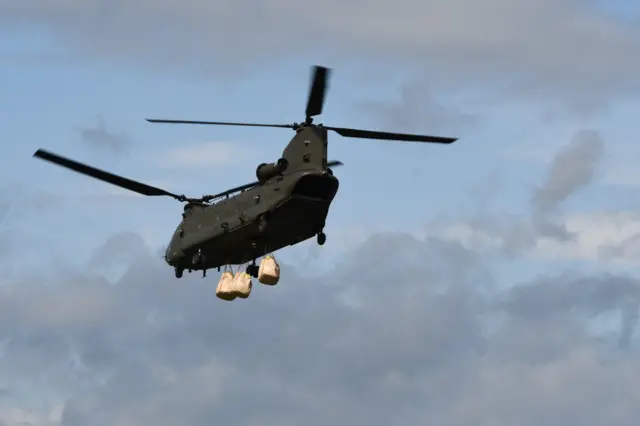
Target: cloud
<point x="430" y="337"/>
<point x="572" y="169"/>
<point x="204" y="154"/>
<point x="122" y="247"/>
<point x="100" y="137"/>
<point x="495" y="45"/>
<point x="605" y="236"/>
<point x="609" y="237"/>
<point x="418" y="110"/>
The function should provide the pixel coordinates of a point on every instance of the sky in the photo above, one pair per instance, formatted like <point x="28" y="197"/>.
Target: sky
<point x="491" y="281"/>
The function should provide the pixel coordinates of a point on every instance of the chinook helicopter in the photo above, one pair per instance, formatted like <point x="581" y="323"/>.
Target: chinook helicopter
<point x="287" y="204"/>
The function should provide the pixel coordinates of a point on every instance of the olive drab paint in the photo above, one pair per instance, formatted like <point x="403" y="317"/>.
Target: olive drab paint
<point x="289" y="203"/>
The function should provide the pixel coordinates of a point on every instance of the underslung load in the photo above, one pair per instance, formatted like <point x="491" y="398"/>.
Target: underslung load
<point x="242" y="284"/>
<point x="225" y="290"/>
<point x="269" y="272"/>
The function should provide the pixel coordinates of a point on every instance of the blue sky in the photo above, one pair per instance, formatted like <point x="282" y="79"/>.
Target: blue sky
<point x="520" y="83"/>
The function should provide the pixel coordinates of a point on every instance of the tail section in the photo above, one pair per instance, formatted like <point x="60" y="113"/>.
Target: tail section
<point x="307" y="149"/>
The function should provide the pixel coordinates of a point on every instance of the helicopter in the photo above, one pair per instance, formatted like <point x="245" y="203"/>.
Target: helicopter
<point x="287" y="204"/>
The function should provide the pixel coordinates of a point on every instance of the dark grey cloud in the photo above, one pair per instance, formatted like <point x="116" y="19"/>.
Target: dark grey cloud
<point x="551" y="50"/>
<point x="571" y="170"/>
<point x="429" y="337"/>
<point x="100" y="137"/>
<point x="417" y="110"/>
<point x="122" y="247"/>
<point x="589" y="297"/>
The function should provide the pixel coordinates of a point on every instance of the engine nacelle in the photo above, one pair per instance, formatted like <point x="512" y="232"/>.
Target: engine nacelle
<point x="265" y="171"/>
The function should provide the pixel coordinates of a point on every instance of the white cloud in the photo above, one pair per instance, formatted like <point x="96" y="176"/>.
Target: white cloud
<point x="607" y="237"/>
<point x="17" y="416"/>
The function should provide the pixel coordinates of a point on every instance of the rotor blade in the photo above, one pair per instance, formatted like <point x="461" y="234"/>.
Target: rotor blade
<point x="120" y="181"/>
<point x="219" y="123"/>
<point x="335" y="163"/>
<point x="370" y="134"/>
<point x="317" y="91"/>
<point x="231" y="191"/>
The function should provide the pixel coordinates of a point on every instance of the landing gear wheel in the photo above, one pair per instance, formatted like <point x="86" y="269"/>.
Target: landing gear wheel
<point x="322" y="238"/>
<point x="179" y="272"/>
<point x="252" y="270"/>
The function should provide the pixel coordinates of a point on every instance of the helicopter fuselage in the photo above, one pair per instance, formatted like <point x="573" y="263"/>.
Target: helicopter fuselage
<point x="284" y="211"/>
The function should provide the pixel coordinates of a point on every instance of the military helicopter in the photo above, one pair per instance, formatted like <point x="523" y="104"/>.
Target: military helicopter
<point x="287" y="204"/>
